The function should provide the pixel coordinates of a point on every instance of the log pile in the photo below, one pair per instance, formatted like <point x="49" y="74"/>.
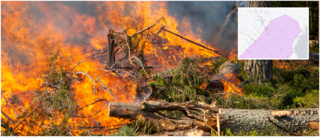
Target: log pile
<point x="194" y="122"/>
<point x="200" y="116"/>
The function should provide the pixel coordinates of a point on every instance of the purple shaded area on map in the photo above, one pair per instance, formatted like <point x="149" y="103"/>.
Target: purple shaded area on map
<point x="275" y="41"/>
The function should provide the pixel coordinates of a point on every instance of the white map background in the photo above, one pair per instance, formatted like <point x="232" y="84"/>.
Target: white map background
<point x="253" y="21"/>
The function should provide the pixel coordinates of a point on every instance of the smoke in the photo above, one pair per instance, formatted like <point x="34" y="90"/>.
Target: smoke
<point x="204" y="15"/>
<point x="209" y="16"/>
<point x="78" y="22"/>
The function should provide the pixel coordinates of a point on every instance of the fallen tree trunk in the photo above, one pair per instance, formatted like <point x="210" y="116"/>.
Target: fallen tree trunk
<point x="228" y="71"/>
<point x="201" y="116"/>
<point x="246" y="120"/>
<point x="188" y="132"/>
<point x="236" y="120"/>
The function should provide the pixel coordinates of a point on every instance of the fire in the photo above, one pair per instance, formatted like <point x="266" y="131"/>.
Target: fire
<point x="233" y="54"/>
<point x="231" y="85"/>
<point x="32" y="32"/>
<point x="143" y="15"/>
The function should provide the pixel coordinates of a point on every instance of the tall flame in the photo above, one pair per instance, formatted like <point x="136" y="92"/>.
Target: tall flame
<point x="33" y="31"/>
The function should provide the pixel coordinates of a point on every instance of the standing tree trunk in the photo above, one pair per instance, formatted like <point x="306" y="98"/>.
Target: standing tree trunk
<point x="111" y="56"/>
<point x="259" y="70"/>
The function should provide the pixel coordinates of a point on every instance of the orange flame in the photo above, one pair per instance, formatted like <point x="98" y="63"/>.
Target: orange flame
<point x="30" y="37"/>
<point x="231" y="83"/>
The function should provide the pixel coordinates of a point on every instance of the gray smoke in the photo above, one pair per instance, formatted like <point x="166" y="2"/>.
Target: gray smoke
<point x="209" y="16"/>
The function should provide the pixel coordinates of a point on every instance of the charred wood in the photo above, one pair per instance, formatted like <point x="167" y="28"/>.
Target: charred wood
<point x="228" y="67"/>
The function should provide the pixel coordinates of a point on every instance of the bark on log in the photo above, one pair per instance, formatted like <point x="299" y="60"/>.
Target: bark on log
<point x="188" y="132"/>
<point x="228" y="67"/>
<point x="246" y="120"/>
<point x="146" y="111"/>
<point x="236" y="120"/>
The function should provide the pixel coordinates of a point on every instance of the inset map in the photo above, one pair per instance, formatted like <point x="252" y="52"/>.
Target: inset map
<point x="273" y="33"/>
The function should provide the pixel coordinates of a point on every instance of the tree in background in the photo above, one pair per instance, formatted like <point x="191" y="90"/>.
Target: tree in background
<point x="259" y="70"/>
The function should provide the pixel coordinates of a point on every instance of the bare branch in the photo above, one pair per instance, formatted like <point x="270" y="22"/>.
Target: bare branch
<point x="105" y="87"/>
<point x="214" y="51"/>
<point x="128" y="48"/>
<point x="94" y="83"/>
<point x="218" y="35"/>
<point x="76" y="65"/>
<point x="147" y="28"/>
<point x="291" y="134"/>
<point x="119" y="45"/>
<point x="26" y="117"/>
<point x="4" y="114"/>
<point x="99" y="100"/>
<point x="141" y="65"/>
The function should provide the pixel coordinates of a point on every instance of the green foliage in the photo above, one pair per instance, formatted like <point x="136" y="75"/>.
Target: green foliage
<point x="243" y="74"/>
<point x="302" y="78"/>
<point x="125" y="131"/>
<point x="184" y="85"/>
<point x="216" y="64"/>
<point x="269" y="131"/>
<point x="58" y="130"/>
<point x="8" y="131"/>
<point x="293" y="88"/>
<point x="141" y="127"/>
<point x="58" y="99"/>
<point x="262" y="97"/>
<point x="309" y="100"/>
<point x="259" y="90"/>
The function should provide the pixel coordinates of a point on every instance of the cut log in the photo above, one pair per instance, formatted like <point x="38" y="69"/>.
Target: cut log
<point x="236" y="120"/>
<point x="151" y="111"/>
<point x="188" y="132"/>
<point x="245" y="120"/>
<point x="314" y="125"/>
<point x="228" y="67"/>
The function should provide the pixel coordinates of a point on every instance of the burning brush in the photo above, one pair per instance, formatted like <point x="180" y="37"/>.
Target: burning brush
<point x="74" y="94"/>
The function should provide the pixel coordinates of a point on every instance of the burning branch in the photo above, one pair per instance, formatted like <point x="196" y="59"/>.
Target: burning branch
<point x="43" y="93"/>
<point x="119" y="45"/>
<point x="147" y="28"/>
<point x="4" y="114"/>
<point x="99" y="100"/>
<point x="26" y="116"/>
<point x="141" y="64"/>
<point x="94" y="83"/>
<point x="76" y="65"/>
<point x="105" y="87"/>
<point x="215" y="51"/>
<point x="129" y="55"/>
